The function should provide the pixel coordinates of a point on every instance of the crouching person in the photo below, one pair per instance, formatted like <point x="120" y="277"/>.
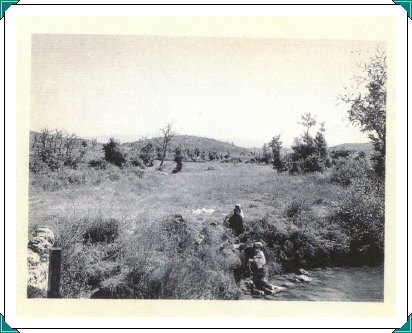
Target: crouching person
<point x="235" y="219"/>
<point x="258" y="272"/>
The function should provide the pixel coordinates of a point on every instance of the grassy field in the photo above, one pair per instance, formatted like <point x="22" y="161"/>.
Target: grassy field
<point x="135" y="200"/>
<point x="152" y="244"/>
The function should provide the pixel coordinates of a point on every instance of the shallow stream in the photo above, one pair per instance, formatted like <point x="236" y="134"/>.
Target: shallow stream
<point x="340" y="284"/>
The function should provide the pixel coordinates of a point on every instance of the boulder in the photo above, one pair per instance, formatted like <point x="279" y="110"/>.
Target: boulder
<point x="41" y="241"/>
<point x="34" y="292"/>
<point x="302" y="278"/>
<point x="37" y="275"/>
<point x="301" y="271"/>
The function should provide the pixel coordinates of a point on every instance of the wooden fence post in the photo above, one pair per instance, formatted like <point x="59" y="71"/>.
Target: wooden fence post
<point x="55" y="258"/>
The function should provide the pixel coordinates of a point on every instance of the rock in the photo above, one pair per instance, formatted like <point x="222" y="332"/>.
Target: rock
<point x="199" y="239"/>
<point x="301" y="271"/>
<point x="45" y="233"/>
<point x="302" y="278"/>
<point x="40" y="242"/>
<point x="37" y="272"/>
<point x="277" y="288"/>
<point x="288" y="284"/>
<point x="34" y="292"/>
<point x="258" y="293"/>
<point x="102" y="293"/>
<point x="32" y="258"/>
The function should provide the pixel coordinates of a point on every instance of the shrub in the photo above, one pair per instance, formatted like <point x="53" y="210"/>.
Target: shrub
<point x="340" y="153"/>
<point x="112" y="153"/>
<point x="102" y="231"/>
<point x="362" y="215"/>
<point x="148" y="154"/>
<point x="137" y="162"/>
<point x="43" y="160"/>
<point x="178" y="158"/>
<point x="98" y="164"/>
<point x="346" y="171"/>
<point x="311" y="163"/>
<point x="295" y="208"/>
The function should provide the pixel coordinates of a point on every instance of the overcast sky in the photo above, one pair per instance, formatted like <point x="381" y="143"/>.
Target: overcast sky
<point x="241" y="90"/>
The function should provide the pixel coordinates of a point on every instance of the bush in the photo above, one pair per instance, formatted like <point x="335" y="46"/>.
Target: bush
<point x="98" y="164"/>
<point x="102" y="231"/>
<point x="112" y="153"/>
<point x="362" y="215"/>
<point x="148" y="154"/>
<point x="311" y="242"/>
<point x="44" y="160"/>
<point x="137" y="162"/>
<point x="295" y="208"/>
<point x="348" y="170"/>
<point x="178" y="158"/>
<point x="340" y="153"/>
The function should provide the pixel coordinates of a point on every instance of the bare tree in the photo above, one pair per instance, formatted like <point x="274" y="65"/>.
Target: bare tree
<point x="69" y="145"/>
<point x="35" y="140"/>
<point x="59" y="142"/>
<point x="44" y="136"/>
<point x="167" y="137"/>
<point x="94" y="143"/>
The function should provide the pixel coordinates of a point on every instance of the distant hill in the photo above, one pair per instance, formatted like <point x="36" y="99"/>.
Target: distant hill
<point x="366" y="147"/>
<point x="192" y="142"/>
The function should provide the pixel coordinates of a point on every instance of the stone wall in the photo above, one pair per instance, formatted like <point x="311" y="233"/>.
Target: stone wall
<point x="41" y="240"/>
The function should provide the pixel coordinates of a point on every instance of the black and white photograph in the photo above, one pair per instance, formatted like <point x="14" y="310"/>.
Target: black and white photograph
<point x="206" y="168"/>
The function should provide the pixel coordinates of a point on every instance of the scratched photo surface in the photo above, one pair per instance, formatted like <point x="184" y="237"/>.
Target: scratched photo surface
<point x="206" y="168"/>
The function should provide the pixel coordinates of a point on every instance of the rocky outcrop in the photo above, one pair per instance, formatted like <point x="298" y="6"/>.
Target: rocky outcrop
<point x="41" y="240"/>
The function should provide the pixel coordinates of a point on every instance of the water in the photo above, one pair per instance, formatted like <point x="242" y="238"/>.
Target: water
<point x="340" y="284"/>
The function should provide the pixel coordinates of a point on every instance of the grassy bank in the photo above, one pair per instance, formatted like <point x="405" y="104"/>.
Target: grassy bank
<point x="131" y="233"/>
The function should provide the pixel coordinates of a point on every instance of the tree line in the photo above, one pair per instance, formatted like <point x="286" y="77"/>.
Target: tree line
<point x="367" y="110"/>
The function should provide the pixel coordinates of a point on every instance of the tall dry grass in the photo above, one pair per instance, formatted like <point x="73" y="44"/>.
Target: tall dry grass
<point x="128" y="233"/>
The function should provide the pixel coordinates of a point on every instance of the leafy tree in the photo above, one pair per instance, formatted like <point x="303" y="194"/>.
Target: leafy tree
<point x="212" y="155"/>
<point x="276" y="146"/>
<point x="368" y="106"/>
<point x="309" y="154"/>
<point x="322" y="146"/>
<point x="266" y="154"/>
<point x="148" y="154"/>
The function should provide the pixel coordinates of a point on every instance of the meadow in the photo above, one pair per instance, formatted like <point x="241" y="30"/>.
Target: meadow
<point x="133" y="233"/>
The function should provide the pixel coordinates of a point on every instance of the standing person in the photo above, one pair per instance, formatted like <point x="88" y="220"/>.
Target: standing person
<point x="258" y="271"/>
<point x="235" y="219"/>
